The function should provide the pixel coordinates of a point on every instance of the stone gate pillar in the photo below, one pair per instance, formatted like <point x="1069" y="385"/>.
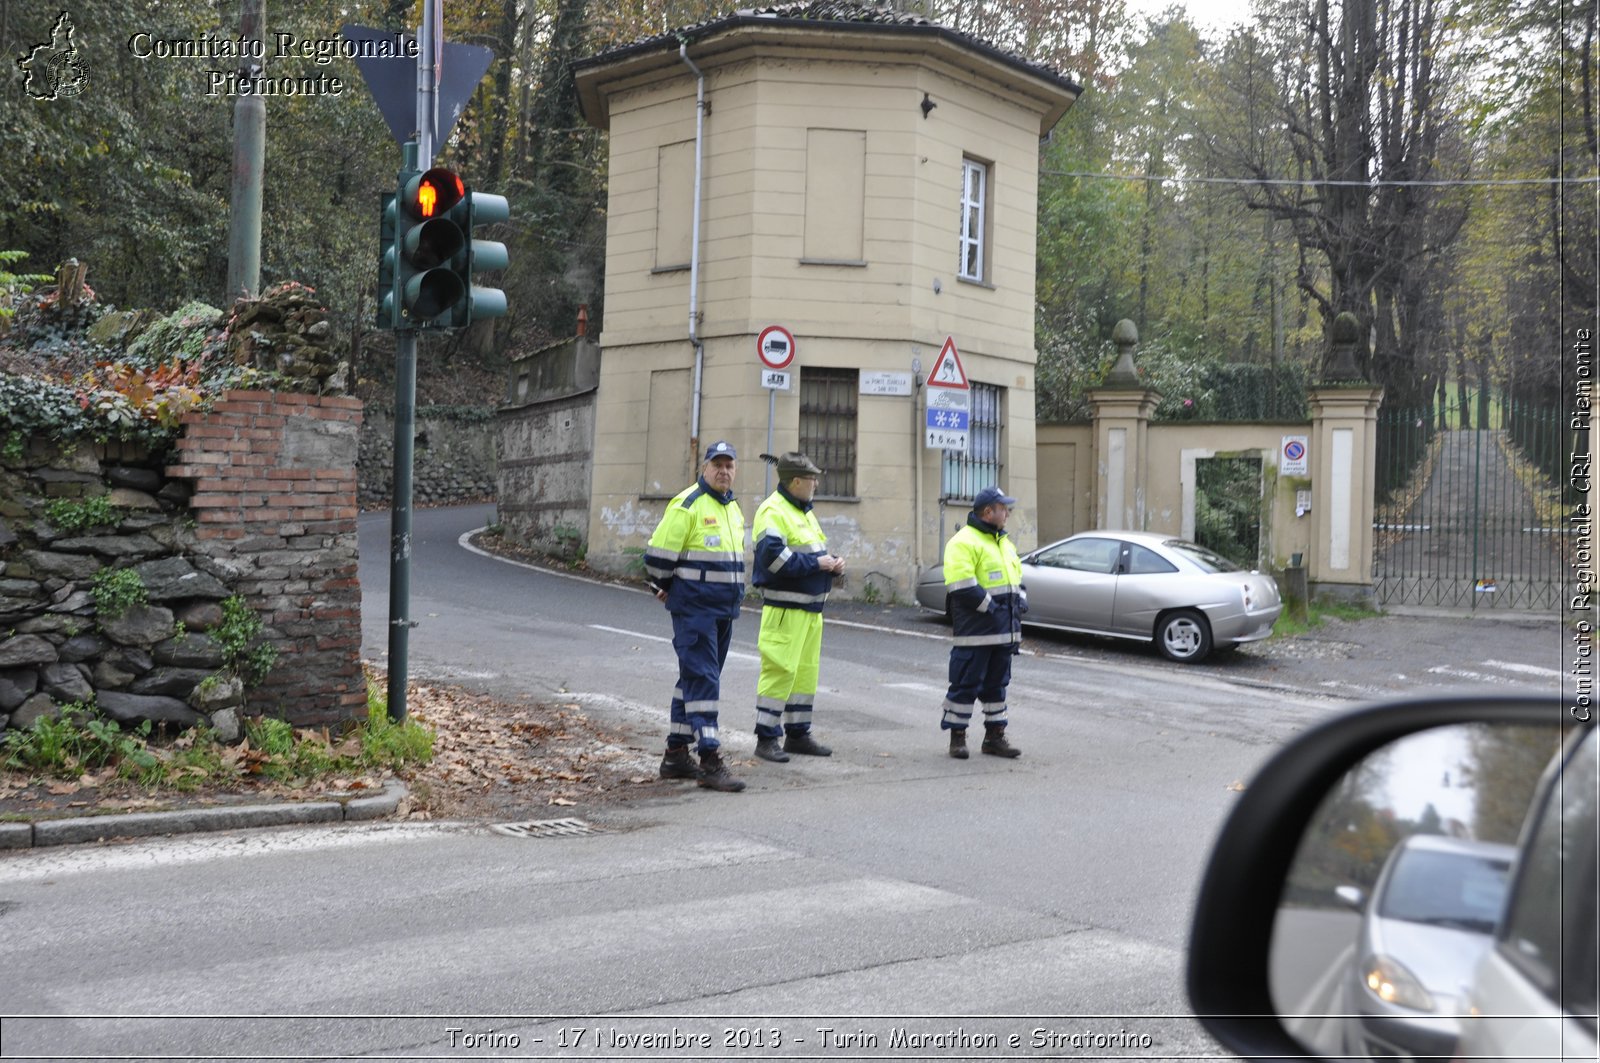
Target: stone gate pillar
<point x="1344" y="435"/>
<point x="1122" y="410"/>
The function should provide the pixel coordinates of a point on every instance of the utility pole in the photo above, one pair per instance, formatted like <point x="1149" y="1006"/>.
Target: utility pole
<point x="249" y="157"/>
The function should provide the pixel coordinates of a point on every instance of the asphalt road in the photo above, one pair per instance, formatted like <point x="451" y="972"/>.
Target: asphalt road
<point x="884" y="901"/>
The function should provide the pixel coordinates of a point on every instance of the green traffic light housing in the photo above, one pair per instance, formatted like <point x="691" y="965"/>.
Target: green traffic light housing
<point x="428" y="260"/>
<point x="428" y="288"/>
<point x="388" y="265"/>
<point x="484" y="302"/>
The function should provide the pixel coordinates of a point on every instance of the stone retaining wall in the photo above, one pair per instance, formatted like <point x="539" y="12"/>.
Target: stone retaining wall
<point x="453" y="456"/>
<point x="260" y="504"/>
<point x="275" y="506"/>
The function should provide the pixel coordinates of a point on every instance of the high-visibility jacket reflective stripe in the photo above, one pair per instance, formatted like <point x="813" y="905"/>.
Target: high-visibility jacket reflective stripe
<point x="697" y="552"/>
<point x="789" y="547"/>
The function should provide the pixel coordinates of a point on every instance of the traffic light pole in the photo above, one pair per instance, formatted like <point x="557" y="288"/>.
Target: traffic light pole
<point x="405" y="434"/>
<point x="405" y="423"/>
<point x="405" y="391"/>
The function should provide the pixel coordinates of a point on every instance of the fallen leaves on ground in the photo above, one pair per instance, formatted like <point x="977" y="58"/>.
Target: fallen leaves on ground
<point x="498" y="758"/>
<point x="493" y="758"/>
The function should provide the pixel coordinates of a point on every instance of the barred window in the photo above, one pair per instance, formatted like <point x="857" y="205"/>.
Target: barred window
<point x="828" y="400"/>
<point x="967" y="474"/>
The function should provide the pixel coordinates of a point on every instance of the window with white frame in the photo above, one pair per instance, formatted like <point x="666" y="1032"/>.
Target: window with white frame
<point x="964" y="475"/>
<point x="974" y="220"/>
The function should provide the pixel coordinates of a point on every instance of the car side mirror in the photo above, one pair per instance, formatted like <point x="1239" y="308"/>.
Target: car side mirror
<point x="1278" y="965"/>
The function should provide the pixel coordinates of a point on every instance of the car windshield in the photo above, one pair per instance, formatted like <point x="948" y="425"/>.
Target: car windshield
<point x="1205" y="559"/>
<point x="1462" y="890"/>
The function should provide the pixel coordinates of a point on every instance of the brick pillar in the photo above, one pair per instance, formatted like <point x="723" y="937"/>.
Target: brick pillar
<point x="274" y="505"/>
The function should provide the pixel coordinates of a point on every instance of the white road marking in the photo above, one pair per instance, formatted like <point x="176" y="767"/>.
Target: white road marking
<point x="659" y="638"/>
<point x="174" y="852"/>
<point x="888" y="630"/>
<point x="465" y="542"/>
<point x="1525" y="669"/>
<point x="630" y="634"/>
<point x="1464" y="673"/>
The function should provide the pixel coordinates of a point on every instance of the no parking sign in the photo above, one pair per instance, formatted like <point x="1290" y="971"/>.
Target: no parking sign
<point x="1292" y="460"/>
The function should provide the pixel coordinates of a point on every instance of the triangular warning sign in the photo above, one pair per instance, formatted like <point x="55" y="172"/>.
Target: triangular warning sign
<point x="947" y="371"/>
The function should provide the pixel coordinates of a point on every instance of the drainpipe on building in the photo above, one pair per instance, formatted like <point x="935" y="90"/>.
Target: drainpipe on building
<point x="916" y="461"/>
<point x="694" y="248"/>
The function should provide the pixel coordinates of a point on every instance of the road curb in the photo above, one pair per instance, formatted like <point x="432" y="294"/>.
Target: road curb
<point x="76" y="831"/>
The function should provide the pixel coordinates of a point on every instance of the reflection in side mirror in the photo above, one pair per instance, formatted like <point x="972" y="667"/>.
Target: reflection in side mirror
<point x="1350" y="895"/>
<point x="1403" y="882"/>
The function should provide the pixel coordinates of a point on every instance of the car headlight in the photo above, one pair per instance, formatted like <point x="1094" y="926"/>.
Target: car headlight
<point x="1390" y="982"/>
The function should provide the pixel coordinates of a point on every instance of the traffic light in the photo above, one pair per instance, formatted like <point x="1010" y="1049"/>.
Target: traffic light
<point x="387" y="304"/>
<point x="435" y="260"/>
<point x="432" y="249"/>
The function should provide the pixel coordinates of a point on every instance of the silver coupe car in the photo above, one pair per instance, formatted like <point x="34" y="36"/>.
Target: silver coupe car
<point x="1139" y="585"/>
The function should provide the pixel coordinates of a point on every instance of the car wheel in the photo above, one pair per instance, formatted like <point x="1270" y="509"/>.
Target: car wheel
<point x="1183" y="636"/>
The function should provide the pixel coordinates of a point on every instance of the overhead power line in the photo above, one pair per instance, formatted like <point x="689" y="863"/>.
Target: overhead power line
<point x="1324" y="182"/>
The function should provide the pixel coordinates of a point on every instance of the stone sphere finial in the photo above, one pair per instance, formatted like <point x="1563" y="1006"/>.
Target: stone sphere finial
<point x="1341" y="364"/>
<point x="1126" y="336"/>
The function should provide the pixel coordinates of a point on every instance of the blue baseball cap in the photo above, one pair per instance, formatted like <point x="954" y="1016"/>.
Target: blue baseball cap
<point x="720" y="449"/>
<point x="989" y="496"/>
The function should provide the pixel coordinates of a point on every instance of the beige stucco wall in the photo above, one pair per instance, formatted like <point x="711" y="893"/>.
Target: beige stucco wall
<point x="1174" y="448"/>
<point x="1066" y="480"/>
<point x="1068" y="467"/>
<point x="898" y="304"/>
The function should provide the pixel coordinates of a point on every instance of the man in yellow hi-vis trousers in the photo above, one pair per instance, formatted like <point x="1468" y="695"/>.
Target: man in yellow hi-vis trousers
<point x="794" y="571"/>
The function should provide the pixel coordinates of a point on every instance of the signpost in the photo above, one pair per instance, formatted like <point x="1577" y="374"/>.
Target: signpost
<point x="775" y="347"/>
<point x="949" y="402"/>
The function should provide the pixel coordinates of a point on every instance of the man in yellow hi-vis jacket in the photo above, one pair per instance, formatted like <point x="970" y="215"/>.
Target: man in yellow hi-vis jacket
<point x="695" y="562"/>
<point x="983" y="579"/>
<point x="795" y="571"/>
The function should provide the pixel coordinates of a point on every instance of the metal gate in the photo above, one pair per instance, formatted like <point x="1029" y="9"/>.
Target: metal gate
<point x="1470" y="511"/>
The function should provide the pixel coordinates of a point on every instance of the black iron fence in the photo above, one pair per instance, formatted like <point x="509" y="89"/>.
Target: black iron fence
<point x="1471" y="513"/>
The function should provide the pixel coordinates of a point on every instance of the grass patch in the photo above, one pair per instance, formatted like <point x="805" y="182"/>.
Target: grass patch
<point x="1319" y="613"/>
<point x="82" y="746"/>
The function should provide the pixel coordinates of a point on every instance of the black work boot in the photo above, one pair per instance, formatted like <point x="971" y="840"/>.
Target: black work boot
<point x="678" y="764"/>
<point x="958" y="743"/>
<point x="714" y="774"/>
<point x="801" y="742"/>
<point x="768" y="749"/>
<point x="995" y="744"/>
